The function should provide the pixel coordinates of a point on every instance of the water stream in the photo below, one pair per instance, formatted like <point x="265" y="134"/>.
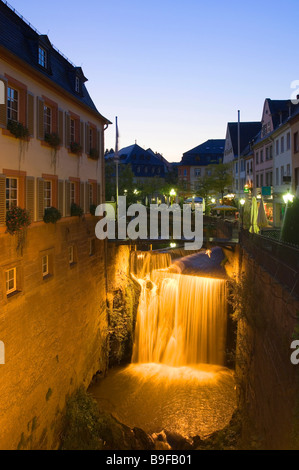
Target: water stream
<point x="177" y="380"/>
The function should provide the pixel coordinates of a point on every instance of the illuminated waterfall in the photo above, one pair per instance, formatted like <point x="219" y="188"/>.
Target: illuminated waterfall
<point x="181" y="319"/>
<point x="177" y="380"/>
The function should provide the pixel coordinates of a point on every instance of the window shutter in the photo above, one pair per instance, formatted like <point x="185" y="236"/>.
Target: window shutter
<point x="60" y="126"/>
<point x="82" y="196"/>
<point x="40" y="119"/>
<point x="3" y="102"/>
<point x="67" y="129"/>
<point x="87" y="145"/>
<point x="67" y="198"/>
<point x="30" y="114"/>
<point x="99" y="143"/>
<point x="98" y="193"/>
<point x="82" y="136"/>
<point x="23" y="106"/>
<point x="86" y="185"/>
<point x="30" y="196"/>
<point x="2" y="199"/>
<point x="40" y="198"/>
<point x="60" y="197"/>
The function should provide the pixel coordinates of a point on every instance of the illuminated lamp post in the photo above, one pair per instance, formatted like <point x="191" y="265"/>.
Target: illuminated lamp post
<point x="172" y="194"/>
<point x="287" y="198"/>
<point x="242" y="202"/>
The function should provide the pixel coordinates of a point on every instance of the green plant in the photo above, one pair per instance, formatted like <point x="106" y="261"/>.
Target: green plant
<point x="76" y="148"/>
<point x="18" y="130"/>
<point x="81" y="423"/>
<point x="53" y="140"/>
<point x="290" y="227"/>
<point x="52" y="215"/>
<point x="93" y="154"/>
<point x="92" y="209"/>
<point x="76" y="210"/>
<point x="17" y="219"/>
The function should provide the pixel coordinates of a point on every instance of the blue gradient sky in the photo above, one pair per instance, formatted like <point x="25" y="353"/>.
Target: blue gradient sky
<point x="175" y="71"/>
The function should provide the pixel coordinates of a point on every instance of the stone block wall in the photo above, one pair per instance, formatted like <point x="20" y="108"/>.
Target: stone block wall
<point x="54" y="328"/>
<point x="267" y="378"/>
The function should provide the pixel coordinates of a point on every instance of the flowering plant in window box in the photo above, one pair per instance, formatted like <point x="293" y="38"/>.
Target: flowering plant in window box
<point x="93" y="154"/>
<point x="18" y="130"/>
<point x="76" y="148"/>
<point x="51" y="215"/>
<point x="53" y="140"/>
<point x="17" y="219"/>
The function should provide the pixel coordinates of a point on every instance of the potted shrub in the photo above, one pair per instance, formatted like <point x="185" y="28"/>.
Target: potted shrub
<point x="76" y="148"/>
<point x="18" y="130"/>
<point x="92" y="209"/>
<point x="53" y="140"/>
<point x="52" y="215"/>
<point x="76" y="210"/>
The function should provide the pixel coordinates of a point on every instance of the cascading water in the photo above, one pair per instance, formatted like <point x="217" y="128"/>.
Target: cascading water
<point x="177" y="380"/>
<point x="181" y="320"/>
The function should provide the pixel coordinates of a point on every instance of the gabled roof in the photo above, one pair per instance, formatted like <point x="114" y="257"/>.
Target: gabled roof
<point x="20" y="39"/>
<point x="134" y="154"/>
<point x="280" y="110"/>
<point x="207" y="153"/>
<point x="248" y="131"/>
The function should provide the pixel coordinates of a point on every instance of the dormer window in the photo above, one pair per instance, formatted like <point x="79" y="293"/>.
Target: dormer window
<point x="77" y="85"/>
<point x="42" y="57"/>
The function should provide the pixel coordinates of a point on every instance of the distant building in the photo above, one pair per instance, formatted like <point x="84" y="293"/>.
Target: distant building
<point x="273" y="157"/>
<point x="248" y="130"/>
<point x="144" y="163"/>
<point x="194" y="163"/>
<point x="294" y="126"/>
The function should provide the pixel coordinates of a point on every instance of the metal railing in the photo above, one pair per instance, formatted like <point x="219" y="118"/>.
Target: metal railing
<point x="280" y="260"/>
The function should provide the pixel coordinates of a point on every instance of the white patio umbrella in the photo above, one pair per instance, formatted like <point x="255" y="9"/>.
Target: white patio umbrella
<point x="253" y="217"/>
<point x="261" y="216"/>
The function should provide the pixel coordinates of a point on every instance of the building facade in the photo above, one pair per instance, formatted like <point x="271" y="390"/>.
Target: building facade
<point x="273" y="158"/>
<point x="195" y="162"/>
<point x="52" y="275"/>
<point x="248" y="131"/>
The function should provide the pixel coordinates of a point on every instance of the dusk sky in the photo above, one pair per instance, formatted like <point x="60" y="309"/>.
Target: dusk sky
<point x="175" y="72"/>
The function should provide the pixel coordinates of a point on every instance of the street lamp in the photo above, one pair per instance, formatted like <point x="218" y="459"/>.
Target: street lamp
<point x="288" y="198"/>
<point x="242" y="202"/>
<point x="172" y="193"/>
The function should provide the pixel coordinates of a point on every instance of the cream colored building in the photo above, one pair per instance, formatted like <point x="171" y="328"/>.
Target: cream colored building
<point x="53" y="320"/>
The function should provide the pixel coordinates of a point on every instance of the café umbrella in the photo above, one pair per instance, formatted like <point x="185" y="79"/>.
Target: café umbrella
<point x="261" y="216"/>
<point x="253" y="217"/>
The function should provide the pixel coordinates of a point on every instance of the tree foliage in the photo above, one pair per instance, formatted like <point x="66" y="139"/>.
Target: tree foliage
<point x="217" y="179"/>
